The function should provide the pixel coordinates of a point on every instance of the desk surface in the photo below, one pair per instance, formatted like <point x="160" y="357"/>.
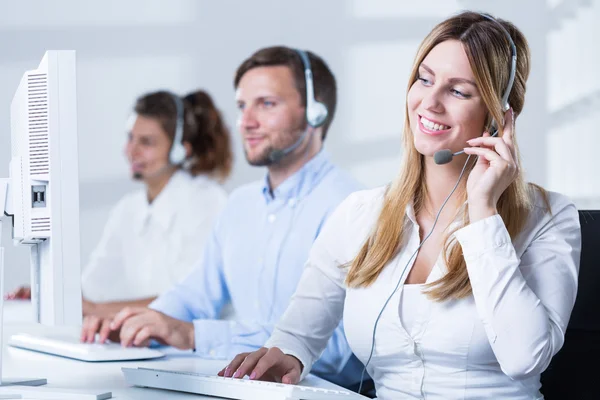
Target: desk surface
<point x="106" y="376"/>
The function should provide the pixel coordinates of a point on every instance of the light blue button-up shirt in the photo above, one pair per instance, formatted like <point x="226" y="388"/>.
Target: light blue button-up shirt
<point x="254" y="258"/>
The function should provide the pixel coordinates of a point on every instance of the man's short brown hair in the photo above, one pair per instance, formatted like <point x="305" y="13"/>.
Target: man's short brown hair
<point x="323" y="80"/>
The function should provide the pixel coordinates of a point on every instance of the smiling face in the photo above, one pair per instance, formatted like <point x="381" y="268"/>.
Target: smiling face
<point x="147" y="148"/>
<point x="271" y="114"/>
<point x="445" y="108"/>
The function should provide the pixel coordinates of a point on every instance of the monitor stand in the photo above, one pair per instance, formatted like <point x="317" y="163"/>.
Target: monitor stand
<point x="17" y="388"/>
<point x="11" y="381"/>
<point x="8" y="382"/>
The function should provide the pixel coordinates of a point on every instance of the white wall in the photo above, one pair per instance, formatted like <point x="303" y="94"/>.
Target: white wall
<point x="125" y="48"/>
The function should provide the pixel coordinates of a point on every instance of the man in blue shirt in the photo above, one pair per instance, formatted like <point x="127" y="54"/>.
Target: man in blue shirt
<point x="256" y="252"/>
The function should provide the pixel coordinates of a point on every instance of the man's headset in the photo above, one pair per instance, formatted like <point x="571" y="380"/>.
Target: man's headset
<point x="316" y="115"/>
<point x="445" y="157"/>
<point x="316" y="112"/>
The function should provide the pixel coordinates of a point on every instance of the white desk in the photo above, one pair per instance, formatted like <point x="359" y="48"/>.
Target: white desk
<point x="106" y="376"/>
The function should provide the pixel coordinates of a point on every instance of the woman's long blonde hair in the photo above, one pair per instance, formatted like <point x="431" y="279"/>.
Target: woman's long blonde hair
<point x="489" y="54"/>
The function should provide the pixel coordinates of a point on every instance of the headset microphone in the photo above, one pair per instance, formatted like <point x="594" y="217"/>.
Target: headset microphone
<point x="276" y="155"/>
<point x="316" y="112"/>
<point x="445" y="156"/>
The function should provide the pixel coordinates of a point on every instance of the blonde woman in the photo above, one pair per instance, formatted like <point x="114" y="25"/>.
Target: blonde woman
<point x="478" y="309"/>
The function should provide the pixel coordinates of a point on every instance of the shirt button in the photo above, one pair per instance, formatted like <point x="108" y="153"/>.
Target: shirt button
<point x="271" y="218"/>
<point x="212" y="352"/>
<point x="292" y="202"/>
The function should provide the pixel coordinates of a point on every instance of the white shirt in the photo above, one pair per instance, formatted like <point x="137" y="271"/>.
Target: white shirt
<point x="491" y="345"/>
<point x="411" y="299"/>
<point x="147" y="248"/>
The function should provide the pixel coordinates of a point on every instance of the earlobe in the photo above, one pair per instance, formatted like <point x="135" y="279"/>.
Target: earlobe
<point x="188" y="149"/>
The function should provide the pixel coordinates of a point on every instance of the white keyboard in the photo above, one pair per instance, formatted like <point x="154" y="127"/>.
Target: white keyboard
<point x="70" y="346"/>
<point x="230" y="388"/>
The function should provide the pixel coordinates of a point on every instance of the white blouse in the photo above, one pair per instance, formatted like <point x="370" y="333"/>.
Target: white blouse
<point x="491" y="345"/>
<point x="146" y="248"/>
<point x="411" y="301"/>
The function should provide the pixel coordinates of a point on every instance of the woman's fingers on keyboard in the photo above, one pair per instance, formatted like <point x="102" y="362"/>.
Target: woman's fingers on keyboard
<point x="94" y="327"/>
<point x="143" y="336"/>
<point x="292" y="377"/>
<point x="128" y="332"/>
<point x="233" y="365"/>
<point x="124" y="315"/>
<point x="105" y="330"/>
<point x="83" y="336"/>
<point x="249" y="363"/>
<point x="135" y="325"/>
<point x="272" y="357"/>
<point x="91" y="325"/>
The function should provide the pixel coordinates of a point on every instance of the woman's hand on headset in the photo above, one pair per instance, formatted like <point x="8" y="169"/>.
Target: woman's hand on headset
<point x="496" y="168"/>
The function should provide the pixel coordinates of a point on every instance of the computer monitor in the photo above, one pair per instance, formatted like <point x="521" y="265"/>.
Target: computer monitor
<point x="42" y="197"/>
<point x="44" y="186"/>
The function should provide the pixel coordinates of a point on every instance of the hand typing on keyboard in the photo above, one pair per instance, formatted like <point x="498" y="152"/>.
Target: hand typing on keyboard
<point x="136" y="326"/>
<point x="97" y="329"/>
<point x="230" y="388"/>
<point x="265" y="364"/>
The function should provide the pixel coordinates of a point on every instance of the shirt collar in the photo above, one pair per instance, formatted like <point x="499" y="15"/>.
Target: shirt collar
<point x="410" y="212"/>
<point x="162" y="209"/>
<point x="301" y="182"/>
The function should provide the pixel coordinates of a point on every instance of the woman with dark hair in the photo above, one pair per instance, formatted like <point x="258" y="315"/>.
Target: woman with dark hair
<point x="180" y="149"/>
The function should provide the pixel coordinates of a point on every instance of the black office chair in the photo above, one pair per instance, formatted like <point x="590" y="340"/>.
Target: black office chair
<point x="574" y="372"/>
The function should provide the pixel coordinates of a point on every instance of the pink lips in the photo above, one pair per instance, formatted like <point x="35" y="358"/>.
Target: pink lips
<point x="430" y="132"/>
<point x="253" y="141"/>
<point x="136" y="167"/>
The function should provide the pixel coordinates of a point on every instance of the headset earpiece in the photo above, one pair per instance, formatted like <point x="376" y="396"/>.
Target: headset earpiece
<point x="178" y="155"/>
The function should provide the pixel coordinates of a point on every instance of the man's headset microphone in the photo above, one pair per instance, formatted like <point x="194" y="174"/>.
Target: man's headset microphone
<point x="316" y="115"/>
<point x="316" y="112"/>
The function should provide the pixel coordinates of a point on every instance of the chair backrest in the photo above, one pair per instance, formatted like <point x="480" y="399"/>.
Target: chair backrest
<point x="574" y="370"/>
